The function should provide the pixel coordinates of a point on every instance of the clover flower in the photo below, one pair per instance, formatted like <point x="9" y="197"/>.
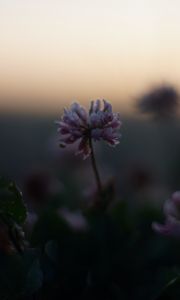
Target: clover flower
<point x="98" y="124"/>
<point x="171" y="209"/>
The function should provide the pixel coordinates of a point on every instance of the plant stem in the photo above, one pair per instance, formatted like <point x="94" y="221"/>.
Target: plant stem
<point x="94" y="165"/>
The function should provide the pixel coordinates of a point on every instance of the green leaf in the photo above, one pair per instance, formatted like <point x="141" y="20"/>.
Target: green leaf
<point x="11" y="202"/>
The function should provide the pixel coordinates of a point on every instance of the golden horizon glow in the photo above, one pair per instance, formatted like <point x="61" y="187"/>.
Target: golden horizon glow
<point x="58" y="51"/>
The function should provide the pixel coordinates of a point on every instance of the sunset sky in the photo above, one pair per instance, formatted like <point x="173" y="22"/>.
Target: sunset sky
<point x="55" y="51"/>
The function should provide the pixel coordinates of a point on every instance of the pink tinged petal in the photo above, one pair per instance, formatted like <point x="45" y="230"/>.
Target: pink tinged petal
<point x="80" y="111"/>
<point x="172" y="206"/>
<point x="113" y="142"/>
<point x="110" y="136"/>
<point x="71" y="119"/>
<point x="160" y="229"/>
<point x="75" y="107"/>
<point x="174" y="226"/>
<point x="95" y="120"/>
<point x="62" y="124"/>
<point x="107" y="106"/>
<point x="176" y="198"/>
<point x="68" y="139"/>
<point x="63" y="128"/>
<point x="77" y="133"/>
<point x="115" y="123"/>
<point x="171" y="228"/>
<point x="107" y="133"/>
<point x="96" y="134"/>
<point x="95" y="106"/>
<point x="107" y="117"/>
<point x="170" y="209"/>
<point x="84" y="148"/>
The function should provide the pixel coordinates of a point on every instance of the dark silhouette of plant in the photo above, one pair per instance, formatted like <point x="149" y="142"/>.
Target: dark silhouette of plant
<point x="160" y="101"/>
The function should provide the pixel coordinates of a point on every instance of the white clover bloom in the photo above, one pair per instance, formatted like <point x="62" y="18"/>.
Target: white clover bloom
<point x="98" y="124"/>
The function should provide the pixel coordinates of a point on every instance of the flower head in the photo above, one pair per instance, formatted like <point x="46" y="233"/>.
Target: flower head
<point x="98" y="124"/>
<point x="171" y="209"/>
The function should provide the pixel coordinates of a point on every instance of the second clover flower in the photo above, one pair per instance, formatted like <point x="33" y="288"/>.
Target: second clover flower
<point x="171" y="209"/>
<point x="98" y="124"/>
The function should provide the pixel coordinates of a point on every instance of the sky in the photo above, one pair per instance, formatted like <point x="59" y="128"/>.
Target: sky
<point x="53" y="52"/>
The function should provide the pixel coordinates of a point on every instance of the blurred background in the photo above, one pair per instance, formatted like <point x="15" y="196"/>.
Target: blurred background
<point x="55" y="52"/>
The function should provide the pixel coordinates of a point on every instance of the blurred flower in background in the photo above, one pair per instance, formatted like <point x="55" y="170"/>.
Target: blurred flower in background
<point x="161" y="101"/>
<point x="75" y="220"/>
<point x="40" y="185"/>
<point x="138" y="177"/>
<point x="171" y="209"/>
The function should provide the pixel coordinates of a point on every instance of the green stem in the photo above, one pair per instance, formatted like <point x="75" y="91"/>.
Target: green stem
<point x="94" y="165"/>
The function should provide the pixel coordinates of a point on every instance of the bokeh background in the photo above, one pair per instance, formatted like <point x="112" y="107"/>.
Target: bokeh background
<point x="55" y="52"/>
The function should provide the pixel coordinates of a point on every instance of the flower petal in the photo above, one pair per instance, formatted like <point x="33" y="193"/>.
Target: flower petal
<point x="96" y="134"/>
<point x="84" y="148"/>
<point x="107" y="106"/>
<point x="80" y="111"/>
<point x="170" y="228"/>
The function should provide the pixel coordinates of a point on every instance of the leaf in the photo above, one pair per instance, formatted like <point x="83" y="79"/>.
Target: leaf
<point x="11" y="202"/>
